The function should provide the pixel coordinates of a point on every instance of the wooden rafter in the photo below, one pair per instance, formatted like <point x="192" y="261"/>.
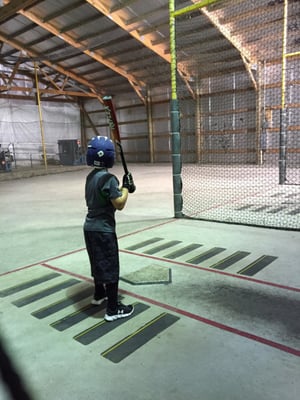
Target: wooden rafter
<point x="234" y="40"/>
<point x="14" y="71"/>
<point x="4" y="78"/>
<point x="118" y="7"/>
<point x="68" y="39"/>
<point x="81" y="106"/>
<point x="246" y="56"/>
<point x="146" y="15"/>
<point x="64" y="10"/>
<point x="48" y="91"/>
<point x="77" y="24"/>
<point x="64" y="82"/>
<point x="145" y="40"/>
<point x="32" y="54"/>
<point x="13" y="6"/>
<point x="50" y="80"/>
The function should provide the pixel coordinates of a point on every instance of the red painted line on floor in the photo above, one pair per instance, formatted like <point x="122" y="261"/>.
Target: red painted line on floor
<point x="165" y="260"/>
<point x="147" y="228"/>
<point x="18" y="269"/>
<point x="83" y="278"/>
<point x="218" y="325"/>
<point x="42" y="261"/>
<point x="215" y="271"/>
<point x="83" y="249"/>
<point x="187" y="314"/>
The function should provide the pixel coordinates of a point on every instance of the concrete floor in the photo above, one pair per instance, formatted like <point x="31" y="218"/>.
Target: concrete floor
<point x="211" y="322"/>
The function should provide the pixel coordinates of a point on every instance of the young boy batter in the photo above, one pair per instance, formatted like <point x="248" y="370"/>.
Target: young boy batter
<point x="103" y="197"/>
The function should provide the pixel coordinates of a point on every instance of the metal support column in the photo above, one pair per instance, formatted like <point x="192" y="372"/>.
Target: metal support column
<point x="175" y="121"/>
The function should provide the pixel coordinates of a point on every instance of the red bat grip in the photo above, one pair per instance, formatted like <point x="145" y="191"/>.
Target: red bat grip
<point x="113" y="124"/>
<point x="111" y="117"/>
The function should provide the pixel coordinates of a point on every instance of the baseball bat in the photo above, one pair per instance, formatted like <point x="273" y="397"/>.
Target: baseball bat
<point x="114" y="128"/>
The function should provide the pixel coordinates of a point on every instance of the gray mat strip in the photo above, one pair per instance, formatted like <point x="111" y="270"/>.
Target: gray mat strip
<point x="44" y="293"/>
<point x="78" y="316"/>
<point x="28" y="284"/>
<point x="182" y="251"/>
<point x="140" y="337"/>
<point x="206" y="255"/>
<point x="61" y="304"/>
<point x="162" y="247"/>
<point x="227" y="262"/>
<point x="102" y="328"/>
<point x="143" y="244"/>
<point x="257" y="265"/>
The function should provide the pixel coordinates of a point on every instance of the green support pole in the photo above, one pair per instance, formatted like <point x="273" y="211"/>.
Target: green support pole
<point x="176" y="159"/>
<point x="175" y="121"/>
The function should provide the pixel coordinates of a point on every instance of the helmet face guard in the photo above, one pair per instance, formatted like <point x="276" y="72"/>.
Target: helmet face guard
<point x="100" y="152"/>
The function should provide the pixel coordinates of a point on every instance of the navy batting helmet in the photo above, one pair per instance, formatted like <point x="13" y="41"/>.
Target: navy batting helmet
<point x="100" y="152"/>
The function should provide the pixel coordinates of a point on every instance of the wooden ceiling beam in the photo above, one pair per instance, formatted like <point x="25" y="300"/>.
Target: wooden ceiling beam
<point x="50" y="80"/>
<point x="83" y="21"/>
<point x="21" y="76"/>
<point x="34" y="55"/>
<point x="145" y="40"/>
<point x="136" y="47"/>
<point x="14" y="71"/>
<point x="65" y="56"/>
<point x="145" y="16"/>
<point x="84" y="63"/>
<point x="124" y="4"/>
<point x="107" y="44"/>
<point x="40" y="39"/>
<point x="48" y="91"/>
<point x="33" y="98"/>
<point x="64" y="10"/>
<point x="234" y="40"/>
<point x="257" y="10"/>
<point x="11" y="8"/>
<point x="160" y="23"/>
<point x="63" y="46"/>
<point x="95" y="33"/>
<point x="22" y="31"/>
<point x="91" y="71"/>
<point x="68" y="39"/>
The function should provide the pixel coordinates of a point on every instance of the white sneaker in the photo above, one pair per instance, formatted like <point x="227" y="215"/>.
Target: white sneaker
<point x="97" y="302"/>
<point x="121" y="312"/>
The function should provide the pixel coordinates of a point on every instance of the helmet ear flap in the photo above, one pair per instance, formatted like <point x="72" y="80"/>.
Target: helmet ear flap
<point x="100" y="152"/>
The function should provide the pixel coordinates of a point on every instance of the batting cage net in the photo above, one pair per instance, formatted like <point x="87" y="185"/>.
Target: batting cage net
<point x="238" y="92"/>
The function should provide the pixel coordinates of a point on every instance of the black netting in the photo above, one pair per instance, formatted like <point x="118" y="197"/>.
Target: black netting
<point x="240" y="143"/>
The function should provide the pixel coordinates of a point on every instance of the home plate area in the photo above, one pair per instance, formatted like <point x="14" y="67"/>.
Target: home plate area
<point x="65" y="302"/>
